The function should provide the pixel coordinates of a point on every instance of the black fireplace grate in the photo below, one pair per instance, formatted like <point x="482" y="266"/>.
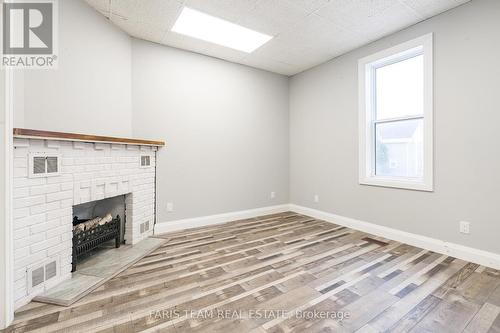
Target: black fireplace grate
<point x="85" y="241"/>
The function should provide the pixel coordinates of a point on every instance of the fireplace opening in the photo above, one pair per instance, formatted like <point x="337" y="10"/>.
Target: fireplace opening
<point x="97" y="225"/>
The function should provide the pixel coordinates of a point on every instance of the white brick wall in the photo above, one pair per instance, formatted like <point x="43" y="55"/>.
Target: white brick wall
<point x="43" y="207"/>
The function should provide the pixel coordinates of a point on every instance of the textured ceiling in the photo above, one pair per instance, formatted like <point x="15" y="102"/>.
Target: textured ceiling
<point x="306" y="32"/>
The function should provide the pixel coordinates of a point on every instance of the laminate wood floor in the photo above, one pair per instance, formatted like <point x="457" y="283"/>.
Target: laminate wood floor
<point x="282" y="273"/>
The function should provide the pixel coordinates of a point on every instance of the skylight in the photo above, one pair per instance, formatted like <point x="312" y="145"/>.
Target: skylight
<point x="215" y="30"/>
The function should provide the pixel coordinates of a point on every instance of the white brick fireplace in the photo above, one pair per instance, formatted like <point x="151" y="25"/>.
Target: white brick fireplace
<point x="81" y="172"/>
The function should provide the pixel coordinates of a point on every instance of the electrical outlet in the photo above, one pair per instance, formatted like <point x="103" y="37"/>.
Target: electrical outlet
<point x="273" y="195"/>
<point x="170" y="206"/>
<point x="464" y="227"/>
<point x="316" y="198"/>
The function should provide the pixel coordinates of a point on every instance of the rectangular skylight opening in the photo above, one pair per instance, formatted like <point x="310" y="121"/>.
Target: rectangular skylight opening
<point x="218" y="31"/>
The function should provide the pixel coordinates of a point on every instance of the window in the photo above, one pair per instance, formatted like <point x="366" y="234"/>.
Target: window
<point x="395" y="117"/>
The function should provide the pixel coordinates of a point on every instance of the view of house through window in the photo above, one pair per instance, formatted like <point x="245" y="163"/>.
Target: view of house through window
<point x="399" y="148"/>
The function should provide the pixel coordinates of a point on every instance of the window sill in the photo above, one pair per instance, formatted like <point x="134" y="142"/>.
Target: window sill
<point x="401" y="184"/>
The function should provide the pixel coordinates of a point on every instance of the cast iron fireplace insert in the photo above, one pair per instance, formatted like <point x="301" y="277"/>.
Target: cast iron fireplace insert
<point x="85" y="241"/>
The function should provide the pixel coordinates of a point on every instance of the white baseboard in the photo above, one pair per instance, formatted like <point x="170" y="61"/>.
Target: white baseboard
<point x="164" y="227"/>
<point x="481" y="257"/>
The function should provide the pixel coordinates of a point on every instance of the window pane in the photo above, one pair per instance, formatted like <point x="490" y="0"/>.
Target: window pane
<point x="400" y="89"/>
<point x="399" y="149"/>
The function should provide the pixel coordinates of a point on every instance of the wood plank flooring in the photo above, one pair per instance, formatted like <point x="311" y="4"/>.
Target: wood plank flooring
<point x="282" y="273"/>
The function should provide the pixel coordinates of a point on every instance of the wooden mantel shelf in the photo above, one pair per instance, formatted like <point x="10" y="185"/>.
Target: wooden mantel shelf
<point x="36" y="134"/>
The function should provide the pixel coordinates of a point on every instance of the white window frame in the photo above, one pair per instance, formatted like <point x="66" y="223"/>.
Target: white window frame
<point x="366" y="68"/>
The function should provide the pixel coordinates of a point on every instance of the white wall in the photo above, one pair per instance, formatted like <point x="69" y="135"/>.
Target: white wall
<point x="90" y="91"/>
<point x="226" y="128"/>
<point x="324" y="134"/>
